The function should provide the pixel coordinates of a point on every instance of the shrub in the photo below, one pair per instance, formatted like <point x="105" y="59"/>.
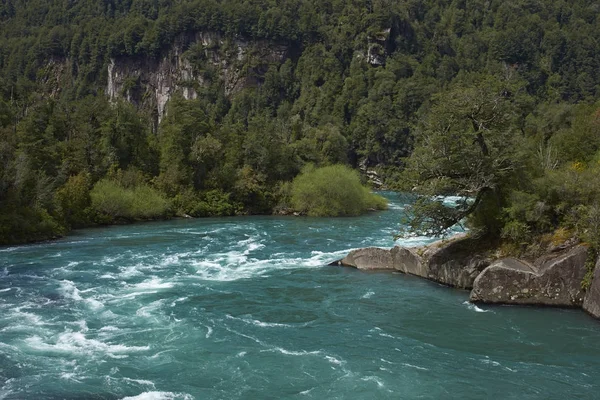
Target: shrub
<point x="332" y="191"/>
<point x="517" y="232"/>
<point x="27" y="225"/>
<point x="525" y="218"/>
<point x="73" y="200"/>
<point x="211" y="203"/>
<point x="218" y="203"/>
<point x="113" y="201"/>
<point x="148" y="203"/>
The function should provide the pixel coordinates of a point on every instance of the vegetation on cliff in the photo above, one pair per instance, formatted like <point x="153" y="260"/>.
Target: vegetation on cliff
<point x="501" y="94"/>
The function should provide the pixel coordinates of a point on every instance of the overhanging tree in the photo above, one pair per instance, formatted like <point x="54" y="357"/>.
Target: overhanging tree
<point x="465" y="146"/>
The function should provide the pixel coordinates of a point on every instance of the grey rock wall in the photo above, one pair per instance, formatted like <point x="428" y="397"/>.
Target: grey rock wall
<point x="454" y="263"/>
<point x="151" y="82"/>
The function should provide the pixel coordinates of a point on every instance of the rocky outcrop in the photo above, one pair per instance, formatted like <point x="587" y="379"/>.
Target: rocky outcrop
<point x="151" y="82"/>
<point x="409" y="261"/>
<point x="55" y="76"/>
<point x="369" y="259"/>
<point x="372" y="176"/>
<point x="591" y="303"/>
<point x="553" y="280"/>
<point x="454" y="263"/>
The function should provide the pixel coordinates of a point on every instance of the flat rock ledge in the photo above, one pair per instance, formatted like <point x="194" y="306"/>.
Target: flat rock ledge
<point x="463" y="262"/>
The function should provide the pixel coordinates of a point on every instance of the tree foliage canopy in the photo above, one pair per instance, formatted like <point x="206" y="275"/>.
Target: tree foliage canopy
<point x="489" y="94"/>
<point x="467" y="146"/>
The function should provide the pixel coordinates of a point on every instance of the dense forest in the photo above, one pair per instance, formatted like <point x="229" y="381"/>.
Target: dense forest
<point x="490" y="100"/>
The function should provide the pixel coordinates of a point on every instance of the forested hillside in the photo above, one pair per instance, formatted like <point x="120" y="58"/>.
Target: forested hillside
<point x="496" y="99"/>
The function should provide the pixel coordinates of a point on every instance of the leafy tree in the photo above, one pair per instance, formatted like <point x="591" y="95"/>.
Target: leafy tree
<point x="73" y="200"/>
<point x="466" y="147"/>
<point x="526" y="74"/>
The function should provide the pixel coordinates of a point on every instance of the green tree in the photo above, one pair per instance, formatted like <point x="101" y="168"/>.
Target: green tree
<point x="466" y="147"/>
<point x="73" y="200"/>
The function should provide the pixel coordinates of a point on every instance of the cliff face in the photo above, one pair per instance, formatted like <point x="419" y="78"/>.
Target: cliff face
<point x="198" y="60"/>
<point x="192" y="62"/>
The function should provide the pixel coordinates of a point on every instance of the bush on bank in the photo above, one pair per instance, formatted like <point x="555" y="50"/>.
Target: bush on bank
<point x="113" y="202"/>
<point x="333" y="191"/>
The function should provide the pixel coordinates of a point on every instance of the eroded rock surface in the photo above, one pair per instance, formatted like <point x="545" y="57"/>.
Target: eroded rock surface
<point x="591" y="303"/>
<point x="372" y="258"/>
<point x="455" y="263"/>
<point x="551" y="281"/>
<point x="408" y="261"/>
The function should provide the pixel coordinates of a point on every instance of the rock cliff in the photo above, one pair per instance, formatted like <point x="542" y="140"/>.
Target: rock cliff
<point x="457" y="262"/>
<point x="454" y="263"/>
<point x="191" y="63"/>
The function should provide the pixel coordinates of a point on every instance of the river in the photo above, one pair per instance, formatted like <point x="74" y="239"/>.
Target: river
<point x="246" y="308"/>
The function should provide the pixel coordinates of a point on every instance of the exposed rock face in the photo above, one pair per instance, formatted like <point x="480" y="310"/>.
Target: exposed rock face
<point x="591" y="304"/>
<point x="151" y="82"/>
<point x="553" y="281"/>
<point x="55" y="76"/>
<point x="371" y="175"/>
<point x="371" y="258"/>
<point x="454" y="263"/>
<point x="408" y="261"/>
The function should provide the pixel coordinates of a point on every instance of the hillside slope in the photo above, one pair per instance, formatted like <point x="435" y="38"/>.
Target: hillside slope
<point x="214" y="105"/>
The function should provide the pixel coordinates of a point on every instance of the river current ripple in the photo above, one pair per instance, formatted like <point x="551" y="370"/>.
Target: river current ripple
<point x="246" y="308"/>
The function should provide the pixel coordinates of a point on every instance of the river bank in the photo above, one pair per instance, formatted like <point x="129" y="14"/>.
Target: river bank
<point x="554" y="279"/>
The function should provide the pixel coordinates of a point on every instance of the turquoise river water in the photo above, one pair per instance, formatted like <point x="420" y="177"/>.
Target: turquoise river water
<point x="246" y="308"/>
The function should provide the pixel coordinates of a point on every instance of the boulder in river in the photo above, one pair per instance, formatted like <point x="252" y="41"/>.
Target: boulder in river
<point x="553" y="280"/>
<point x="591" y="303"/>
